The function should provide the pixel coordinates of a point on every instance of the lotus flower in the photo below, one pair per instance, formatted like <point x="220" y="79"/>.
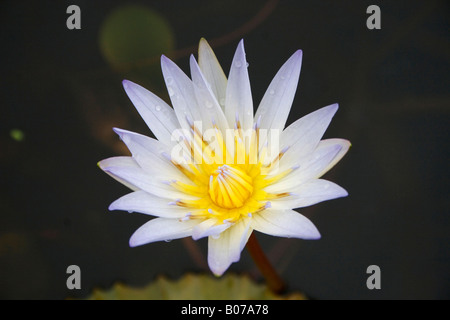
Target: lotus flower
<point x="217" y="169"/>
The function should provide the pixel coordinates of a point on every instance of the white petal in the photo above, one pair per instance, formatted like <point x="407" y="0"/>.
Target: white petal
<point x="149" y="154"/>
<point x="209" y="227"/>
<point x="285" y="223"/>
<point x="277" y="101"/>
<point x="181" y="93"/>
<point x="212" y="71"/>
<point x="146" y="203"/>
<point x="309" y="193"/>
<point x="160" y="229"/>
<point x="226" y="249"/>
<point x="141" y="179"/>
<point x="239" y="101"/>
<point x="157" y="114"/>
<point x="308" y="167"/>
<point x="345" y="145"/>
<point x="119" y="162"/>
<point x="303" y="135"/>
<point x="210" y="109"/>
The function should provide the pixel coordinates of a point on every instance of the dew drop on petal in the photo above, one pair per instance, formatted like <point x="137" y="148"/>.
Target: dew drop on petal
<point x="216" y="236"/>
<point x="247" y="64"/>
<point x="222" y="101"/>
<point x="170" y="91"/>
<point x="208" y="104"/>
<point x="158" y="108"/>
<point x="168" y="240"/>
<point x="272" y="92"/>
<point x="169" y="80"/>
<point x="238" y="64"/>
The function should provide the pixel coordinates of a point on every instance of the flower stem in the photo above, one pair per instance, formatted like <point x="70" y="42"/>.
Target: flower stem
<point x="274" y="281"/>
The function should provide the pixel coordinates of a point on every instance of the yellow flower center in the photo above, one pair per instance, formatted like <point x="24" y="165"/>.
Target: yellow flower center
<point x="230" y="187"/>
<point x="226" y="183"/>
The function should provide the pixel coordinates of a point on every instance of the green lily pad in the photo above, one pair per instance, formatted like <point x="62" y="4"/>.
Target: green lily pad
<point x="194" y="287"/>
<point x="133" y="37"/>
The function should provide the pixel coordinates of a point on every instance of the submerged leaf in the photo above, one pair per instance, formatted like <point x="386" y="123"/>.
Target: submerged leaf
<point x="194" y="287"/>
<point x="132" y="38"/>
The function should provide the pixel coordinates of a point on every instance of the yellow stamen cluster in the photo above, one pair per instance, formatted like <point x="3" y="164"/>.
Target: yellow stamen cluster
<point x="228" y="180"/>
<point x="230" y="187"/>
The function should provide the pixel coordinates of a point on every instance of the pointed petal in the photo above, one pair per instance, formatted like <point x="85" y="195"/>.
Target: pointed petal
<point x="181" y="93"/>
<point x="211" y="112"/>
<point x="212" y="71"/>
<point x="322" y="153"/>
<point x="345" y="146"/>
<point x="239" y="101"/>
<point x="146" y="203"/>
<point x="227" y="248"/>
<point x="149" y="154"/>
<point x="303" y="135"/>
<point x="307" y="168"/>
<point x="285" y="223"/>
<point x="309" y="193"/>
<point x="157" y="114"/>
<point x="140" y="179"/>
<point x="160" y="229"/>
<point x="277" y="101"/>
<point x="209" y="227"/>
<point x="119" y="161"/>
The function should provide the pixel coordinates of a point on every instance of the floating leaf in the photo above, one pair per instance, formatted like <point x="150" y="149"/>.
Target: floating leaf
<point x="17" y="134"/>
<point x="194" y="287"/>
<point x="133" y="37"/>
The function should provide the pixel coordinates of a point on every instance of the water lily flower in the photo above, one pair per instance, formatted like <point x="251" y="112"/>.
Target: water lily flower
<point x="217" y="169"/>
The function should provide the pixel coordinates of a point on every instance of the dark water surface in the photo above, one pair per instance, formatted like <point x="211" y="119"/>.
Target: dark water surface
<point x="60" y="99"/>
